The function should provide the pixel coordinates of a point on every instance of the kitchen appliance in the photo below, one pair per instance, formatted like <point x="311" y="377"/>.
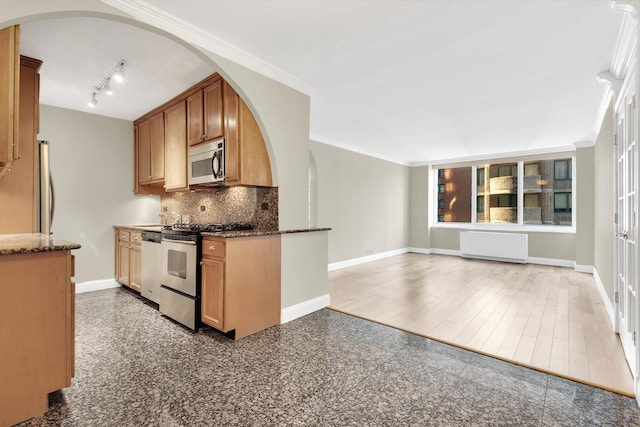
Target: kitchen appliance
<point x="151" y="262"/>
<point x="46" y="201"/>
<point x="206" y="163"/>
<point x="179" y="293"/>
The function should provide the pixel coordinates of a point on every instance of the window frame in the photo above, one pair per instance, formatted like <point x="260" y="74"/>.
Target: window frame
<point x="519" y="226"/>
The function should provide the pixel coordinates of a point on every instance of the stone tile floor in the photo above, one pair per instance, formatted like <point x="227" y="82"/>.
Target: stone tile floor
<point x="137" y="368"/>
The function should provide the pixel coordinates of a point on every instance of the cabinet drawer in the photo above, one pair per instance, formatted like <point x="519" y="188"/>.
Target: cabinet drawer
<point x="213" y="248"/>
<point x="136" y="238"/>
<point x="124" y="236"/>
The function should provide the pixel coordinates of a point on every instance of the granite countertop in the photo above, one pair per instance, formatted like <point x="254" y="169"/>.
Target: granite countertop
<point x="32" y="243"/>
<point x="228" y="234"/>
<point x="255" y="233"/>
<point x="152" y="227"/>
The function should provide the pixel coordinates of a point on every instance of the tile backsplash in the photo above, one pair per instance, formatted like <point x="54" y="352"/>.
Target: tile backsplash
<point x="254" y="205"/>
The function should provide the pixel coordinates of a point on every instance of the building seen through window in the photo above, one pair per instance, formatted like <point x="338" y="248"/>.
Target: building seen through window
<point x="546" y="187"/>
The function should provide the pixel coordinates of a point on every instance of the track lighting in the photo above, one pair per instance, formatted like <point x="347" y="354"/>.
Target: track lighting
<point x="117" y="74"/>
<point x="93" y="101"/>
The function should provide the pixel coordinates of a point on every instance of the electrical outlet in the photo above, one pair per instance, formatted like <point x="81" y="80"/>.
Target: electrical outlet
<point x="264" y="206"/>
<point x="164" y="209"/>
<point x="202" y="208"/>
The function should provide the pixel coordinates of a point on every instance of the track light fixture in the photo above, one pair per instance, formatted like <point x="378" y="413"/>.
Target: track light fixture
<point x="117" y="74"/>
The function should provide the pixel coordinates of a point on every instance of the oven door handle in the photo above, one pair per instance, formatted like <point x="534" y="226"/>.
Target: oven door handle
<point x="184" y="242"/>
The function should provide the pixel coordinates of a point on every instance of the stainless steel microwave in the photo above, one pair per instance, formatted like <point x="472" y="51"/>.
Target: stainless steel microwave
<point x="206" y="163"/>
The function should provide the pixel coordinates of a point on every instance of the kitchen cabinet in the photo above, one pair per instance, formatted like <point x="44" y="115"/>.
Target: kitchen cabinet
<point x="175" y="145"/>
<point x="151" y="149"/>
<point x="128" y="258"/>
<point x="18" y="210"/>
<point x="246" y="156"/>
<point x="238" y="298"/>
<point x="9" y="96"/>
<point x="204" y="113"/>
<point x="37" y="326"/>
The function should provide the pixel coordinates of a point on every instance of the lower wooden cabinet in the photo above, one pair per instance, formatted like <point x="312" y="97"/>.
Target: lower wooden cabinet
<point x="128" y="268"/>
<point x="241" y="284"/>
<point x="37" y="331"/>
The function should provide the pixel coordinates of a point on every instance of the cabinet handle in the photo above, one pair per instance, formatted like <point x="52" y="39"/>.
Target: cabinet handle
<point x="201" y="263"/>
<point x="212" y="248"/>
<point x="204" y="137"/>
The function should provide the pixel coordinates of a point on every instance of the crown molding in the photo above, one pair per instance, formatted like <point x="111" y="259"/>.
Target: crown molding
<point x="498" y="156"/>
<point x="149" y="14"/>
<point x="327" y="141"/>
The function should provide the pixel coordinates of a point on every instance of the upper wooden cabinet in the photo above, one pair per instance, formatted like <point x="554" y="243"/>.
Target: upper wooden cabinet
<point x="207" y="111"/>
<point x="149" y="154"/>
<point x="247" y="160"/>
<point x="205" y="114"/>
<point x="175" y="146"/>
<point x="18" y="186"/>
<point x="9" y="95"/>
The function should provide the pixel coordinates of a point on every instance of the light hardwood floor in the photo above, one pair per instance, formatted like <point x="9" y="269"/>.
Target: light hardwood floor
<point x="548" y="318"/>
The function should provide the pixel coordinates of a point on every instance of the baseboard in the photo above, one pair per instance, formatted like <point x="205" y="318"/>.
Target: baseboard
<point x="450" y="252"/>
<point x="420" y="251"/>
<point x="290" y="313"/>
<point x="362" y="260"/>
<point x="551" y="261"/>
<point x="605" y="298"/>
<point x="96" y="285"/>
<point x="583" y="268"/>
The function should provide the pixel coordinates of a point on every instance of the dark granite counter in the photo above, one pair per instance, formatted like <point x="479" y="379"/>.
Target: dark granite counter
<point x="31" y="243"/>
<point x="256" y="233"/>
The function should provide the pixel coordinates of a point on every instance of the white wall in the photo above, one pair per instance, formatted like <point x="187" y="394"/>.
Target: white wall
<point x="92" y="168"/>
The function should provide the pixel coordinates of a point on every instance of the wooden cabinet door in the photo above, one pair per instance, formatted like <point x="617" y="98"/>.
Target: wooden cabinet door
<point x="144" y="152"/>
<point x="175" y="124"/>
<point x="213" y="120"/>
<point x="9" y="93"/>
<point x="213" y="293"/>
<point x="135" y="267"/>
<point x="123" y="269"/>
<point x="156" y="147"/>
<point x="195" y="111"/>
<point x="232" y="136"/>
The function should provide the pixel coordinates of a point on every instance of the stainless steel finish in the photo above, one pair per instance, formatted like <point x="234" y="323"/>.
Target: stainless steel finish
<point x="46" y="200"/>
<point x="179" y="263"/>
<point x="209" y="158"/>
<point x="151" y="266"/>
<point x="182" y="242"/>
<point x="178" y="307"/>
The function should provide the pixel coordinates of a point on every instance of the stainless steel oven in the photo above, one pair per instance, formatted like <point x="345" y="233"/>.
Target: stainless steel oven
<point x="179" y="290"/>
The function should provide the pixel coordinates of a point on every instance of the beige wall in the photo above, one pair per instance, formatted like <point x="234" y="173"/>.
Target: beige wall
<point x="604" y="201"/>
<point x="584" y="177"/>
<point x="419" y="215"/>
<point x="92" y="168"/>
<point x="364" y="200"/>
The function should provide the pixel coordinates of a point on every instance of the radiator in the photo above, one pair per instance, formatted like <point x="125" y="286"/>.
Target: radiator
<point x="509" y="247"/>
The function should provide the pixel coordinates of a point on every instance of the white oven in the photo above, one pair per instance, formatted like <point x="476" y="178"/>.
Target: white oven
<point x="206" y="163"/>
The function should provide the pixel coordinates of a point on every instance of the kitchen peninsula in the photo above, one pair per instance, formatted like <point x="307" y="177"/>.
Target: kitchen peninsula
<point x="37" y="329"/>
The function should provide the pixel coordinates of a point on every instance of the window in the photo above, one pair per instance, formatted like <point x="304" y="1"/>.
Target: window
<point x="532" y="193"/>
<point x="480" y="176"/>
<point x="562" y="169"/>
<point x="454" y="194"/>
<point x="562" y="202"/>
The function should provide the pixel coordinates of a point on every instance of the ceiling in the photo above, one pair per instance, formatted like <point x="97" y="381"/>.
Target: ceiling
<point x="409" y="81"/>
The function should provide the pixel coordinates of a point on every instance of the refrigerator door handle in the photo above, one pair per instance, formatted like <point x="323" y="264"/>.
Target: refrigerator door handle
<point x="52" y="209"/>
